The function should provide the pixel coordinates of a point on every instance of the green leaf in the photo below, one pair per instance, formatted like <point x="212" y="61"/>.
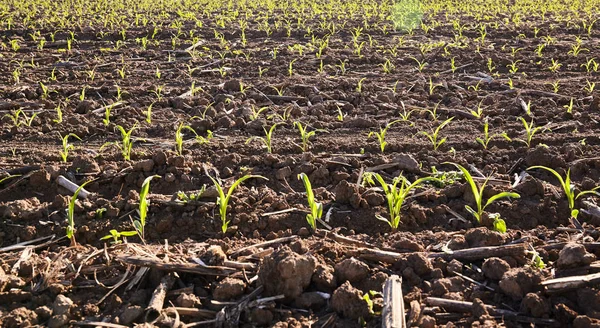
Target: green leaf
<point x="574" y="213"/>
<point x="473" y="212"/>
<point x="499" y="225"/>
<point x="501" y="195"/>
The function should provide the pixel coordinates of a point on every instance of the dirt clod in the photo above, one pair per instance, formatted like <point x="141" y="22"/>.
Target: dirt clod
<point x="517" y="282"/>
<point x="351" y="270"/>
<point x="494" y="268"/>
<point x="61" y="305"/>
<point x="130" y="314"/>
<point x="229" y="289"/>
<point x="20" y="317"/>
<point x="535" y="305"/>
<point x="286" y="272"/>
<point x="480" y="237"/>
<point x="348" y="302"/>
<point x="573" y="255"/>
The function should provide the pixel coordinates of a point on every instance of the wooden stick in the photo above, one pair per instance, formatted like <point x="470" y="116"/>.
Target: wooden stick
<point x="158" y="298"/>
<point x="570" y="283"/>
<point x="342" y="239"/>
<point x="72" y="187"/>
<point x="266" y="243"/>
<point x="176" y="267"/>
<point x="392" y="315"/>
<point x="195" y="313"/>
<point x="590" y="247"/>
<point x="414" y="315"/>
<point x="466" y="307"/>
<point x="471" y="254"/>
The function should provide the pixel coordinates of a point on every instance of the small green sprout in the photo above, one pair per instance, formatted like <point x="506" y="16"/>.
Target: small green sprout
<point x="223" y="199"/>
<point x="116" y="235"/>
<point x="256" y="112"/>
<point x="267" y="139"/>
<point x="487" y="137"/>
<point x="568" y="188"/>
<point x="305" y="135"/>
<point x="66" y="146"/>
<point x="381" y="134"/>
<point x="184" y="198"/>
<point x="140" y="224"/>
<point x="395" y="194"/>
<point x="434" y="135"/>
<point x="71" y="214"/>
<point x="530" y="131"/>
<point x="9" y="177"/>
<point x="316" y="208"/>
<point x="59" y="115"/>
<point x="179" y="137"/>
<point x="148" y="113"/>
<point x="478" y="195"/>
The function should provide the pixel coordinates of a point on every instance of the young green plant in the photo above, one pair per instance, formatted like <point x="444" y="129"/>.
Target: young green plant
<point x="66" y="146"/>
<point x="395" y="194"/>
<point x="530" y="131"/>
<point x="568" y="188"/>
<point x="267" y="139"/>
<point x="223" y="199"/>
<point x="305" y="135"/>
<point x="478" y="195"/>
<point x="381" y="134"/>
<point x="316" y="208"/>
<point x="71" y="214"/>
<point x="434" y="135"/>
<point x="140" y="224"/>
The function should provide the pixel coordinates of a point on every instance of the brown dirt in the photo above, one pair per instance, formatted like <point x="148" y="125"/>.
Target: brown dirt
<point x="321" y="280"/>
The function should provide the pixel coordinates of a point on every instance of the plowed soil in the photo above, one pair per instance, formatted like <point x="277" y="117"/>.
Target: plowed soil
<point x="329" y="274"/>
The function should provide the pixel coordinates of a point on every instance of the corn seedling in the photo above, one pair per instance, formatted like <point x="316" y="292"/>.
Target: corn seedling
<point x="360" y="84"/>
<point x="184" y="198"/>
<point x="179" y="137"/>
<point x="512" y="67"/>
<point x="340" y="115"/>
<point x="148" y="113"/>
<point x="420" y="64"/>
<point x="395" y="194"/>
<point x="126" y="142"/>
<point x="66" y="146"/>
<point x="569" y="107"/>
<point x="316" y="208"/>
<point x="555" y="86"/>
<point x="478" y="192"/>
<point x="305" y="135"/>
<point x="117" y="235"/>
<point x="71" y="214"/>
<point x="291" y="67"/>
<point x="256" y="112"/>
<point x="15" y="117"/>
<point x="590" y="86"/>
<point x="555" y="66"/>
<point x="267" y="139"/>
<point x="381" y="134"/>
<point x="223" y="199"/>
<point x="140" y="224"/>
<point x="387" y="66"/>
<point x="530" y="131"/>
<point x="107" y="111"/>
<point x="568" y="188"/>
<point x="433" y="86"/>
<point x="434" y="135"/>
<point x="487" y="137"/>
<point x="479" y="112"/>
<point x="2" y="180"/>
